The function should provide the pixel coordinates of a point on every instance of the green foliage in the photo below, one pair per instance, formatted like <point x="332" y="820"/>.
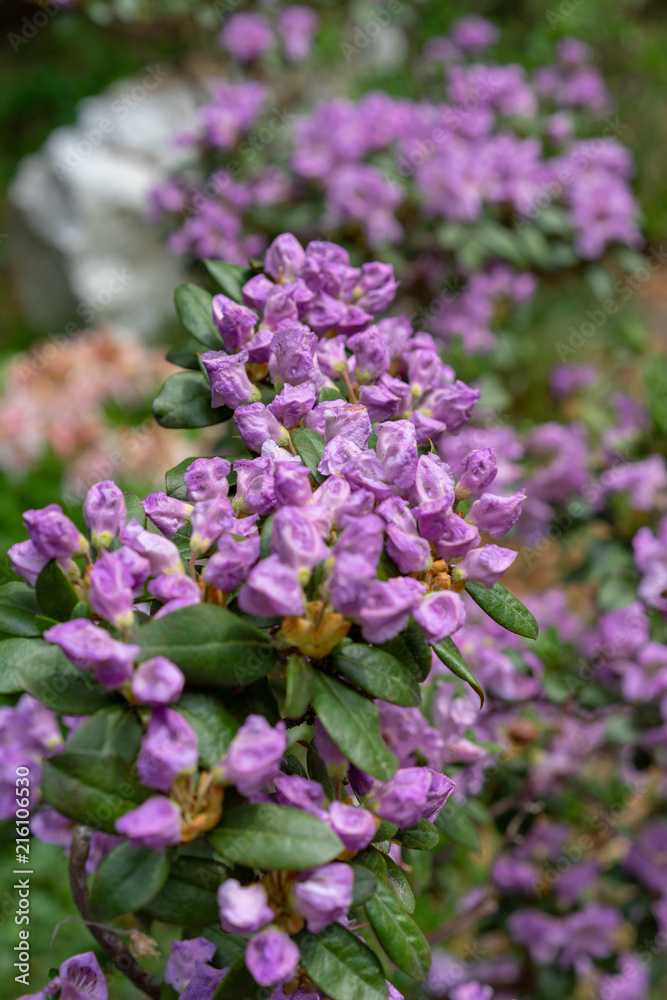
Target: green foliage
<point x="504" y="608"/>
<point x="269" y="836"/>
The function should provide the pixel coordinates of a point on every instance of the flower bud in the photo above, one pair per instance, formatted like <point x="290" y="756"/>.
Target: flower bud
<point x="256" y="424"/>
<point x="495" y="514"/>
<point x="181" y="964"/>
<point x="206" y="478"/>
<point x="253" y="756"/>
<point x="371" y="354"/>
<point x="167" y="513"/>
<point x="229" y="567"/>
<point x="156" y="824"/>
<point x="292" y="403"/>
<point x="402" y="800"/>
<point x="284" y="257"/>
<point x="110" y="590"/>
<point x="300" y="793"/>
<point x="453" y="404"/>
<point x="485" y="564"/>
<point x="161" y="554"/>
<point x="53" y="533"/>
<point x="256" y="291"/>
<point x="168" y="750"/>
<point x="104" y="512"/>
<point x="350" y="420"/>
<point x="480" y="471"/>
<point x="292" y="484"/>
<point x="157" y="682"/>
<point x="397" y="452"/>
<point x="90" y="647"/>
<point x="175" y="590"/>
<point x="324" y="894"/>
<point x="440" y="790"/>
<point x="440" y="614"/>
<point x="272" y="589"/>
<point x="457" y="538"/>
<point x="433" y="481"/>
<point x="209" y="519"/>
<point x="255" y="490"/>
<point x="230" y="385"/>
<point x="27" y="561"/>
<point x="387" y="607"/>
<point x="325" y="314"/>
<point x="292" y="358"/>
<point x="272" y="957"/>
<point x="243" y="909"/>
<point x="377" y="287"/>
<point x="235" y="323"/>
<point x="295" y="541"/>
<point x="355" y="826"/>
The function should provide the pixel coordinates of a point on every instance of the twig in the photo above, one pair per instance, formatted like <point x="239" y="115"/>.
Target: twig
<point x="115" y="948"/>
<point x="458" y="924"/>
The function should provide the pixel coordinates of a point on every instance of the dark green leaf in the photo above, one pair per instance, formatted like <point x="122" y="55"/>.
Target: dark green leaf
<point x="655" y="378"/>
<point x="173" y="480"/>
<point x="353" y="722"/>
<point x="214" y="726"/>
<point x="10" y="665"/>
<point x="341" y="965"/>
<point x="365" y="883"/>
<point x="398" y="934"/>
<point x="265" y="537"/>
<point x="504" y="608"/>
<point x="81" y="610"/>
<point x="189" y="894"/>
<point x="91" y="787"/>
<point x="135" y="509"/>
<point x="317" y="771"/>
<point x="18" y="607"/>
<point x="411" y="649"/>
<point x="228" y="947"/>
<point x="185" y="401"/>
<point x="230" y="277"/>
<point x="193" y="305"/>
<point x="399" y="885"/>
<point x="386" y="830"/>
<point x="113" y="730"/>
<point x="238" y="984"/>
<point x="186" y="354"/>
<point x="168" y="992"/>
<point x="310" y="448"/>
<point x="450" y="654"/>
<point x="377" y="673"/>
<point x="43" y="623"/>
<point x="293" y="765"/>
<point x="46" y="673"/>
<point x="212" y="646"/>
<point x="127" y="879"/>
<point x="374" y="861"/>
<point x="55" y="593"/>
<point x="269" y="836"/>
<point x="300" y="687"/>
<point x="328" y="393"/>
<point x="422" y="837"/>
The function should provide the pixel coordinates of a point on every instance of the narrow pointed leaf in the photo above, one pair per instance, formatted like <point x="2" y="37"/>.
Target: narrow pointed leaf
<point x="18" y="607"/>
<point x="300" y="687"/>
<point x="310" y="447"/>
<point x="377" y="673"/>
<point x="341" y="965"/>
<point x="56" y="595"/>
<point x="91" y="788"/>
<point x="193" y="305"/>
<point x="269" y="836"/>
<point x="185" y="401"/>
<point x="411" y="649"/>
<point x="398" y="934"/>
<point x="450" y="654"/>
<point x="127" y="879"/>
<point x="230" y="277"/>
<point x="504" y="608"/>
<point x="44" y="671"/>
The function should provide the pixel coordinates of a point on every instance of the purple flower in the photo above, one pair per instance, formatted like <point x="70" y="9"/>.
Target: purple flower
<point x="292" y="403"/>
<point x="292" y="484"/>
<point x="167" y="513"/>
<point x="27" y="561"/>
<point x="89" y="647"/>
<point x="206" y="478"/>
<point x="377" y="287"/>
<point x="292" y="358"/>
<point x="257" y="290"/>
<point x="324" y="894"/>
<point x="229" y="567"/>
<point x="272" y="589"/>
<point x="432" y="516"/>
<point x="53" y="533"/>
<point x="355" y="826"/>
<point x="433" y="481"/>
<point x="326" y="314"/>
<point x="334" y="761"/>
<point x="175" y="590"/>
<point x="272" y="957"/>
<point x="255" y="490"/>
<point x="297" y="25"/>
<point x="79" y="978"/>
<point x="168" y="750"/>
<point x="157" y="681"/>
<point x="496" y="514"/>
<point x="256" y="424"/>
<point x="440" y="614"/>
<point x="479" y="472"/>
<point x="485" y="564"/>
<point x="457" y="537"/>
<point x="440" y="790"/>
<point x="235" y="323"/>
<point x="204" y="983"/>
<point x="246" y="36"/>
<point x="402" y="800"/>
<point x="180" y="967"/>
<point x="161" y="554"/>
<point x="296" y="541"/>
<point x="300" y="793"/>
<point x="253" y="755"/>
<point x="347" y="419"/>
<point x="337" y="453"/>
<point x="230" y="385"/>
<point x="371" y="354"/>
<point x="104" y="512"/>
<point x="243" y="909"/>
<point x="110" y="590"/>
<point x="387" y="606"/>
<point x="209" y="519"/>
<point x="284" y="258"/>
<point x="156" y="824"/>
<point x="397" y="452"/>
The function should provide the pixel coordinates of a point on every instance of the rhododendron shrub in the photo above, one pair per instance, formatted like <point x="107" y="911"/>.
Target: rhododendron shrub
<point x="209" y="674"/>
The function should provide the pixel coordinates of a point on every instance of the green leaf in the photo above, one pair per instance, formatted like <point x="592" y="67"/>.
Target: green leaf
<point x="214" y="726"/>
<point x="238" y="984"/>
<point x="167" y="992"/>
<point x="173" y="480"/>
<point x="10" y="665"/>
<point x="498" y="241"/>
<point x="230" y="277"/>
<point x="212" y="646"/>
<point x="504" y="608"/>
<point x="185" y="401"/>
<point x="135" y="509"/>
<point x="81" y="610"/>
<point x="398" y="934"/>
<point x="18" y="607"/>
<point x="189" y="894"/>
<point x="265" y="537"/>
<point x="113" y="730"/>
<point x="353" y="722"/>
<point x="455" y="825"/>
<point x="450" y="654"/>
<point x="127" y="879"/>
<point x="195" y="311"/>
<point x="329" y="393"/>
<point x="186" y="354"/>
<point x="422" y="837"/>
<point x="399" y="885"/>
<point x="269" y="836"/>
<point x="300" y="687"/>
<point x="377" y="673"/>
<point x="411" y="649"/>
<point x="45" y="672"/>
<point x="310" y="448"/>
<point x="317" y="771"/>
<point x="56" y="595"/>
<point x="228" y="947"/>
<point x="365" y="883"/>
<point x="91" y="787"/>
<point x="341" y="965"/>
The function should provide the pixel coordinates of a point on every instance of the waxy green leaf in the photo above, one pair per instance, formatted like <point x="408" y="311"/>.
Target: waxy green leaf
<point x="504" y="608"/>
<point x="18" y="607"/>
<point x="92" y="788"/>
<point x="310" y="448"/>
<point x="185" y="401"/>
<point x="56" y="595"/>
<point x="269" y="836"/>
<point x="341" y="965"/>
<point x="127" y="879"/>
<point x="214" y="726"/>
<point x="195" y="311"/>
<point x="43" y="670"/>
<point x="450" y="654"/>
<point x="189" y="894"/>
<point x="376" y="672"/>
<point x="397" y="932"/>
<point x="411" y="649"/>
<point x="230" y="277"/>
<point x="300" y="687"/>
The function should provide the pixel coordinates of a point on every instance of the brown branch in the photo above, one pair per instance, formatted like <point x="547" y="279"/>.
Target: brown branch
<point x="115" y="948"/>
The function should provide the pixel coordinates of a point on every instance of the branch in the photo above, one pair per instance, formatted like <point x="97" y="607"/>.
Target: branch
<point x="458" y="924"/>
<point x="115" y="948"/>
